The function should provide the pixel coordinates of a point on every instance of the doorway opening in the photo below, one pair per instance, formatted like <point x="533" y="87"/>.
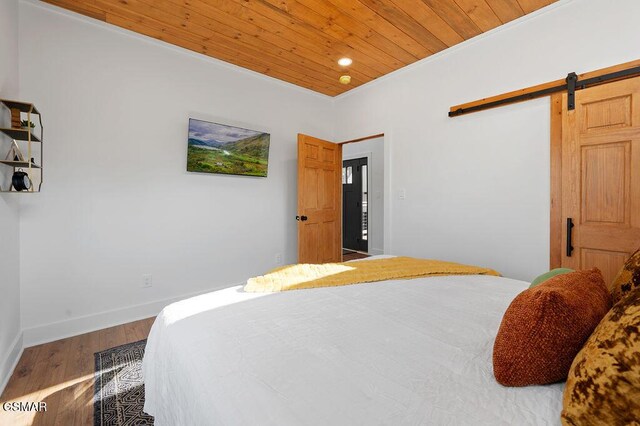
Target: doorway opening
<point x="355" y="193"/>
<point x="362" y="198"/>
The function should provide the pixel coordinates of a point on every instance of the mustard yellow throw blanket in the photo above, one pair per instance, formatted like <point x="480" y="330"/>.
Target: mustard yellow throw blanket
<point x="301" y="276"/>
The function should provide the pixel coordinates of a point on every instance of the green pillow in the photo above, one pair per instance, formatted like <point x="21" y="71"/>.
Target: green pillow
<point x="552" y="273"/>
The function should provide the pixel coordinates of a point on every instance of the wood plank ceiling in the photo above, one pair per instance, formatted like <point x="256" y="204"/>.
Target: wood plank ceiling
<point x="300" y="41"/>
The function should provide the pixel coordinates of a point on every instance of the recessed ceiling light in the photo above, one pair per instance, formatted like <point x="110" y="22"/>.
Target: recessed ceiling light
<point x="345" y="79"/>
<point x="344" y="62"/>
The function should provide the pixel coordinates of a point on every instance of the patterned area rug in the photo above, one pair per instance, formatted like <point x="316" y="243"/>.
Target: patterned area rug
<point x="118" y="399"/>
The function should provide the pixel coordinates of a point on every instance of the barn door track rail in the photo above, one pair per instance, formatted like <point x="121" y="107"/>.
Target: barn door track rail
<point x="570" y="84"/>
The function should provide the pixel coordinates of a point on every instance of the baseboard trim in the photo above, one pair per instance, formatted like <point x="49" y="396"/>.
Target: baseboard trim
<point x="85" y="324"/>
<point x="375" y="251"/>
<point x="10" y="362"/>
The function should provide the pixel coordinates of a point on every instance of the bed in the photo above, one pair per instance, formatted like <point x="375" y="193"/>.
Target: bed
<point x="400" y="352"/>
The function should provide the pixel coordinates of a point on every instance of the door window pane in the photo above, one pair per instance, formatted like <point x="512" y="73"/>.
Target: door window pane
<point x="349" y="175"/>
<point x="344" y="175"/>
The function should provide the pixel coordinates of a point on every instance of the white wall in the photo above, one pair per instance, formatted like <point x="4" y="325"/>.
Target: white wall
<point x="374" y="150"/>
<point x="117" y="201"/>
<point x="10" y="336"/>
<point x="477" y="186"/>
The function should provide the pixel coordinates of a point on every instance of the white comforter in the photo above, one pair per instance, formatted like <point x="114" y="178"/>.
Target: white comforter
<point x="412" y="352"/>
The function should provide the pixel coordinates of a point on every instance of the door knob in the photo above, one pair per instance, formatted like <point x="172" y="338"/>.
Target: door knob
<point x="302" y="218"/>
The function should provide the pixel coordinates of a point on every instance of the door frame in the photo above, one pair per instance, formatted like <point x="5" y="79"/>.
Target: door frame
<point x="387" y="138"/>
<point x="388" y="199"/>
<point x="368" y="156"/>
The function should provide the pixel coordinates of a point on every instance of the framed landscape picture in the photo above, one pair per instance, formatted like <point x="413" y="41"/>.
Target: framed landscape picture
<point x="218" y="148"/>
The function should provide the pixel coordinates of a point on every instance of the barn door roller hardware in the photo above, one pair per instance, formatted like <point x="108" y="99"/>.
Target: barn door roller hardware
<point x="572" y="79"/>
<point x="570" y="84"/>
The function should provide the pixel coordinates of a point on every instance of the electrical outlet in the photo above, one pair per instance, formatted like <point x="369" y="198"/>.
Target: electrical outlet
<point x="147" y="281"/>
<point x="279" y="260"/>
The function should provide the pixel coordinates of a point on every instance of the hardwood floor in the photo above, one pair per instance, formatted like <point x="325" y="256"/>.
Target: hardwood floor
<point x="60" y="373"/>
<point x="353" y="255"/>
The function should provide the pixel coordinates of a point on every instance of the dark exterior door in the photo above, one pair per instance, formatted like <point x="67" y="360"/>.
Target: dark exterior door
<point x="355" y="205"/>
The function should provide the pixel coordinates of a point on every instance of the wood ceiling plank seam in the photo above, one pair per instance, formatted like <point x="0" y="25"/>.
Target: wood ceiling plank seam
<point x="215" y="18"/>
<point x="480" y="13"/>
<point x="406" y="23"/>
<point x="506" y="10"/>
<point x="429" y="19"/>
<point x="221" y="53"/>
<point x="149" y="10"/>
<point x="316" y="52"/>
<point x="358" y="10"/>
<point x="302" y="28"/>
<point x="142" y="10"/>
<point x="451" y="13"/>
<point x="366" y="33"/>
<point x="274" y="63"/>
<point x="305" y="30"/>
<point x="378" y="60"/>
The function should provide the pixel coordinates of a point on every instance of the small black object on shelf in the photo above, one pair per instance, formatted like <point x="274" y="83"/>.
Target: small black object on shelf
<point x="21" y="181"/>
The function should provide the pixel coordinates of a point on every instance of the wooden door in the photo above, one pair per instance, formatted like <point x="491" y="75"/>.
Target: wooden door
<point x="601" y="177"/>
<point x="319" y="200"/>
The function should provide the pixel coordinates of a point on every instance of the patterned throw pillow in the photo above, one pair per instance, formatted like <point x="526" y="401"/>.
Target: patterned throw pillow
<point x="545" y="327"/>
<point x="603" y="386"/>
<point x="628" y="278"/>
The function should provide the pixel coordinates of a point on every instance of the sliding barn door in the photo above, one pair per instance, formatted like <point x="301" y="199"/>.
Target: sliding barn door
<point x="319" y="200"/>
<point x="601" y="177"/>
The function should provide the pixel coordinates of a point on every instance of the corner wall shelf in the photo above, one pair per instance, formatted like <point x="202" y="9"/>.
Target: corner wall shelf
<point x="20" y="164"/>
<point x="23" y="138"/>
<point x="20" y="135"/>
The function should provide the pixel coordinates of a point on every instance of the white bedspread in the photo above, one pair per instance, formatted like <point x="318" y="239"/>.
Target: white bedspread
<point x="412" y="352"/>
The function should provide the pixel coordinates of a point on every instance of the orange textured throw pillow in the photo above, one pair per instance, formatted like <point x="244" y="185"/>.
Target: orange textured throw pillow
<point x="546" y="326"/>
